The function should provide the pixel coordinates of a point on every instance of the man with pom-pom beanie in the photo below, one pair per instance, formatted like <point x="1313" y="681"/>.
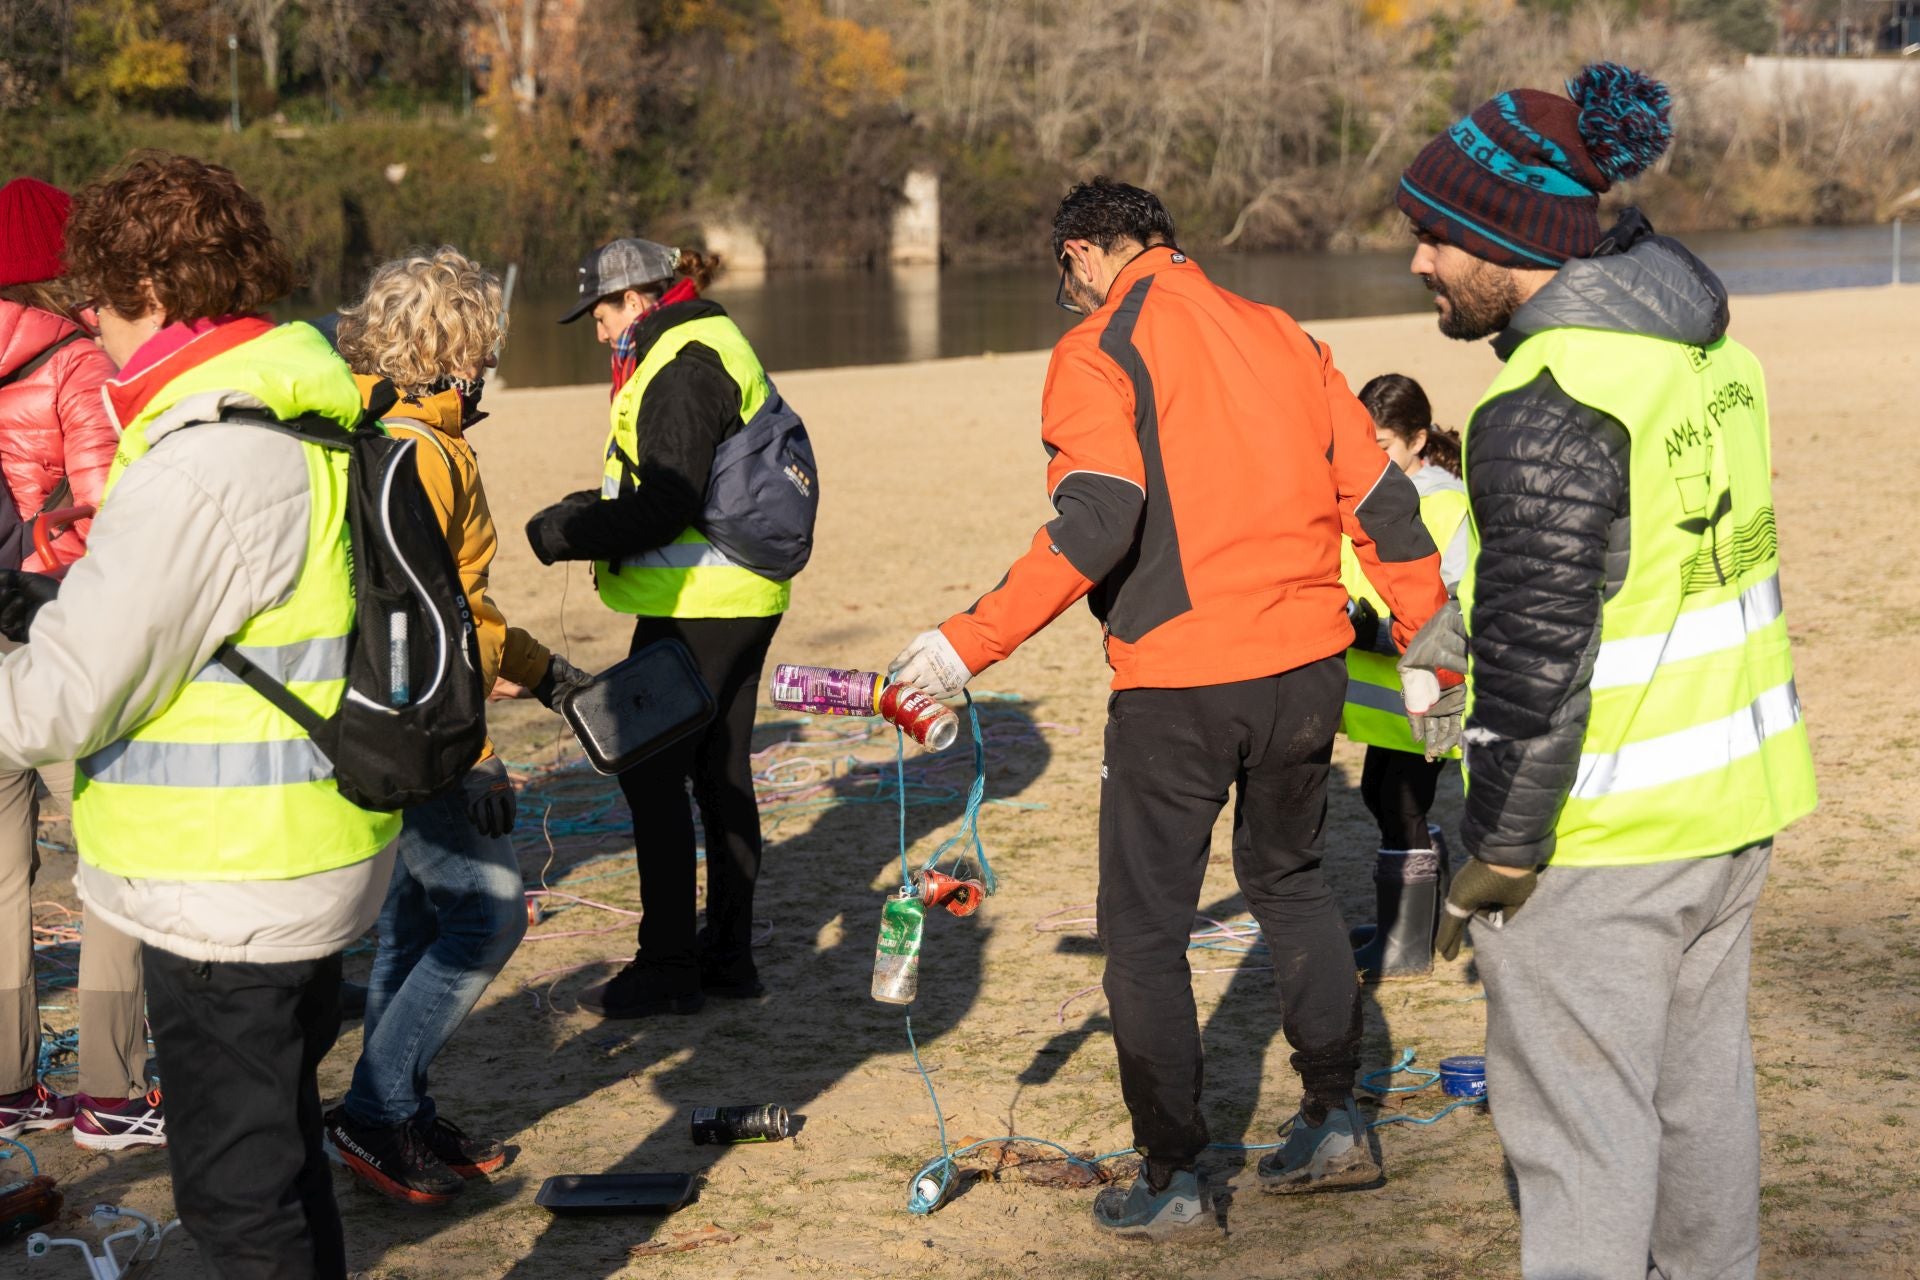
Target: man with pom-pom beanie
<point x="1632" y="737"/>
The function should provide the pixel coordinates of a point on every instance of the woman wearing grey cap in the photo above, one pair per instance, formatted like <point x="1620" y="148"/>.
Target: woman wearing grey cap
<point x="685" y="379"/>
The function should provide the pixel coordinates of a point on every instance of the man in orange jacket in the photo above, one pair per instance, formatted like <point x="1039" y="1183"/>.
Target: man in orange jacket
<point x="1205" y="458"/>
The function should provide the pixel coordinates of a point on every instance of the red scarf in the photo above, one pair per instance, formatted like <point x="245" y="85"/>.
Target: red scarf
<point x="626" y="347"/>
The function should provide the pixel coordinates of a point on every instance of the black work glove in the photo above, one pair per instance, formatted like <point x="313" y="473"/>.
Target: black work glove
<point x="1366" y="624"/>
<point x="561" y="678"/>
<point x="490" y="799"/>
<point x="547" y="531"/>
<point x="1479" y="890"/>
<point x="21" y="595"/>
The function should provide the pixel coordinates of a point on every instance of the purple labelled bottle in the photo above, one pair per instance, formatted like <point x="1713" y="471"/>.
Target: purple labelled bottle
<point x="826" y="691"/>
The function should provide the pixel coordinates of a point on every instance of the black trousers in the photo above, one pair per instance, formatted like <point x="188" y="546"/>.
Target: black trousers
<point x="1397" y="788"/>
<point x="730" y="653"/>
<point x="237" y="1046"/>
<point x="1171" y="757"/>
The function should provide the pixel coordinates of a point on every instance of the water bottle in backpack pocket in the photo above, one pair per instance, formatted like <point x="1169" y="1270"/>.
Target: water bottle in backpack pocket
<point x="413" y="718"/>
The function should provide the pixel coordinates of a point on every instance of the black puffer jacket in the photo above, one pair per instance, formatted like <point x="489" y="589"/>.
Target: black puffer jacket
<point x="1547" y="479"/>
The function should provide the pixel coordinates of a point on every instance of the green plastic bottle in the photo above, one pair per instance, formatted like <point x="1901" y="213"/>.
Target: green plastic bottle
<point x="896" y="958"/>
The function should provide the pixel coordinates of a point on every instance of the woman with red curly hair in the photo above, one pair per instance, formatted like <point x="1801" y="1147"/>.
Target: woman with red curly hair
<point x="210" y="826"/>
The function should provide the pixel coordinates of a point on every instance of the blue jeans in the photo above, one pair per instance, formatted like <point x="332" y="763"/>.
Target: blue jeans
<point x="453" y="915"/>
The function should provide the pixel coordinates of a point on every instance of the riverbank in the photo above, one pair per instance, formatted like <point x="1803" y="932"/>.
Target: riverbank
<point x="932" y="480"/>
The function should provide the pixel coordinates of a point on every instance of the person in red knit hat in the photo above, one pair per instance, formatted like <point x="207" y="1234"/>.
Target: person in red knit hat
<point x="56" y="443"/>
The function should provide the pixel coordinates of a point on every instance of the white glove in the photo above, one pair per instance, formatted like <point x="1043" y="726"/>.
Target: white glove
<point x="930" y="665"/>
<point x="1435" y="712"/>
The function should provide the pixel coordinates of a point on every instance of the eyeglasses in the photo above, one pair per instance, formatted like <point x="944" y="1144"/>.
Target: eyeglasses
<point x="1060" y="298"/>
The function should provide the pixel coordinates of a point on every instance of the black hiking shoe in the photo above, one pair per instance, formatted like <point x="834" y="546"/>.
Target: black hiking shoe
<point x="468" y="1157"/>
<point x="395" y="1162"/>
<point x="641" y="990"/>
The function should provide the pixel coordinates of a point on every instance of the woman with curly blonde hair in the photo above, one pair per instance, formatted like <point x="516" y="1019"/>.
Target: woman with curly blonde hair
<point x="420" y="343"/>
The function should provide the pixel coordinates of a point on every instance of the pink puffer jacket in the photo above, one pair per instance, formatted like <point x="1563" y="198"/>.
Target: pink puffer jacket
<point x="53" y="422"/>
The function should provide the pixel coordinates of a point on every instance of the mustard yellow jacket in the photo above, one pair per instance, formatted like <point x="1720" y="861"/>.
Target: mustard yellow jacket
<point x="450" y="473"/>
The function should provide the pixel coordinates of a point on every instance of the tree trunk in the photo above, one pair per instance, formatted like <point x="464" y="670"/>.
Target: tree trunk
<point x="269" y="33"/>
<point x="527" y="85"/>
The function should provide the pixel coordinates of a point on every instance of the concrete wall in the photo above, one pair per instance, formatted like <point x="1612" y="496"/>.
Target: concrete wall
<point x="1763" y="79"/>
<point x="737" y="244"/>
<point x="916" y="223"/>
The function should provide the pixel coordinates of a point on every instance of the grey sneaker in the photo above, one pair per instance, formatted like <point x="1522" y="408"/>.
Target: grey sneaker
<point x="1332" y="1153"/>
<point x="1182" y="1209"/>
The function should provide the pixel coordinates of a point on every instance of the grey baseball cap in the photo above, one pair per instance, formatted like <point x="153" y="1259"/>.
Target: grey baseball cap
<point x="619" y="266"/>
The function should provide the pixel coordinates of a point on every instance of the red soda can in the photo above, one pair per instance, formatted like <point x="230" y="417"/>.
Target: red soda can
<point x="928" y="722"/>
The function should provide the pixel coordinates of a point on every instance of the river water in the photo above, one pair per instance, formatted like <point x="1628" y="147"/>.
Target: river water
<point x="818" y="319"/>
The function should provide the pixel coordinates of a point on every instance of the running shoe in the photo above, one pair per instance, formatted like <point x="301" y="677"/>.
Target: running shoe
<point x="1316" y="1157"/>
<point x="35" y="1108"/>
<point x="393" y="1161"/>
<point x="1178" y="1210"/>
<point x="468" y="1157"/>
<point x="114" y="1124"/>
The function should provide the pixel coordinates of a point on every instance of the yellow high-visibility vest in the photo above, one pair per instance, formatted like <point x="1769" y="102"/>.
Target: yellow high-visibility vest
<point x="1695" y="745"/>
<point x="219" y="784"/>
<point x="1374" y="712"/>
<point x="689" y="577"/>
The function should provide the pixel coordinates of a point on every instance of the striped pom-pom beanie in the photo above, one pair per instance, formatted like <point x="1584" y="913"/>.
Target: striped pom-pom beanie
<point x="1518" y="182"/>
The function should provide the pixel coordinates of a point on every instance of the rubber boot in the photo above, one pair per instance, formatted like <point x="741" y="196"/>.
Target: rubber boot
<point x="1437" y="839"/>
<point x="1407" y="913"/>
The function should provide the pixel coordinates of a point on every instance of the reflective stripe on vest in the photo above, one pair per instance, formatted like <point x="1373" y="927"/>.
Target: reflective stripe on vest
<point x="219" y="784"/>
<point x="138" y="762"/>
<point x="1690" y="752"/>
<point x="1694" y="745"/>
<point x="679" y="555"/>
<point x="689" y="577"/>
<point x="1634" y="659"/>
<point x="303" y="661"/>
<point x="1374" y="712"/>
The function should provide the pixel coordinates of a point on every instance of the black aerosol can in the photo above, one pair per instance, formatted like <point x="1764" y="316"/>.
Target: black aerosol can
<point x="713" y="1126"/>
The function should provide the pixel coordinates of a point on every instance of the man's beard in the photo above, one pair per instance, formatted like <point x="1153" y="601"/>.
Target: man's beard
<point x="1480" y="301"/>
<point x="1082" y="295"/>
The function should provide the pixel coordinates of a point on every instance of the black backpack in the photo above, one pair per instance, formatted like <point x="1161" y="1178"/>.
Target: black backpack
<point x="764" y="493"/>
<point x="413" y="719"/>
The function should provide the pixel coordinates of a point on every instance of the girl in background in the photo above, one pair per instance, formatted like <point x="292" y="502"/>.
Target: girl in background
<point x="1397" y="781"/>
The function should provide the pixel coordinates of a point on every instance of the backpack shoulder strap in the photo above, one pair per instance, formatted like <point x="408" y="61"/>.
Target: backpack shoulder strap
<point x="424" y="432"/>
<point x="267" y="687"/>
<point x="28" y="368"/>
<point x="312" y="428"/>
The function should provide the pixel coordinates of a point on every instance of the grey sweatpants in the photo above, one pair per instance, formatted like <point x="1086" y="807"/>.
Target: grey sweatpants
<point x="1620" y="1069"/>
<point x="112" y="993"/>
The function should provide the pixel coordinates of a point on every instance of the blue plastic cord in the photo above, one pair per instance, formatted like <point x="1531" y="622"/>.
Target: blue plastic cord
<point x="1403" y="1066"/>
<point x="969" y="831"/>
<point x="32" y="1163"/>
<point x="943" y="1164"/>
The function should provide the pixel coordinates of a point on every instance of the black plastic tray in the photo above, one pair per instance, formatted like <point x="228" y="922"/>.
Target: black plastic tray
<point x="637" y="707"/>
<point x="615" y="1192"/>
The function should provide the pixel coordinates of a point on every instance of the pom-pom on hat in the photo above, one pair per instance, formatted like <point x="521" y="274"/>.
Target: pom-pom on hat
<point x="1518" y="182"/>
<point x="33" y="231"/>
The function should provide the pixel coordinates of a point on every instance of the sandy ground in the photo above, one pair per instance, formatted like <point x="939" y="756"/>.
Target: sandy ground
<point x="933" y="480"/>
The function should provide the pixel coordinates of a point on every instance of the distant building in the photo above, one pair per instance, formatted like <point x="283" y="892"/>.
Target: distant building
<point x="1848" y="28"/>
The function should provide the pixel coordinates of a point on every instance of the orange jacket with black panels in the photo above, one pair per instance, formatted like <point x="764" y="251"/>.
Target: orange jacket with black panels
<point x="1205" y="458"/>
